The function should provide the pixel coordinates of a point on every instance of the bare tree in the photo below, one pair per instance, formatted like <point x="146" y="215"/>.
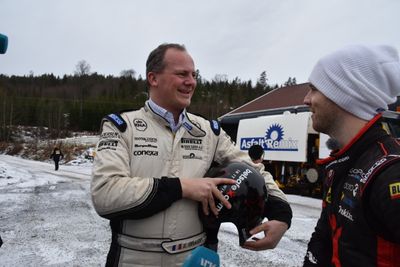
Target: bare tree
<point x="130" y="73"/>
<point x="220" y="78"/>
<point x="82" y="68"/>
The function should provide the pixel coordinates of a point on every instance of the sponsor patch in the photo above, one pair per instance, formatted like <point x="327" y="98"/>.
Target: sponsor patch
<point x="140" y="124"/>
<point x="191" y="141"/>
<point x="145" y="153"/>
<point x="110" y="135"/>
<point x="345" y="213"/>
<point x="328" y="197"/>
<point x="146" y="145"/>
<point x="394" y="190"/>
<point x="107" y="144"/>
<point x="173" y="247"/>
<point x="192" y="147"/>
<point x="348" y="186"/>
<point x="192" y="156"/>
<point x="337" y="161"/>
<point x="356" y="173"/>
<point x="353" y="188"/>
<point x="191" y="144"/>
<point x="215" y="127"/>
<point x="370" y="171"/>
<point x="187" y="126"/>
<point x="146" y="139"/>
<point x="117" y="120"/>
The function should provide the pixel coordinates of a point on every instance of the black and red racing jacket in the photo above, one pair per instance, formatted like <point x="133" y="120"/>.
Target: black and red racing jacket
<point x="360" y="219"/>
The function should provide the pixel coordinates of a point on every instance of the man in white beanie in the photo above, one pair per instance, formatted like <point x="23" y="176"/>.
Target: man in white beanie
<point x="359" y="223"/>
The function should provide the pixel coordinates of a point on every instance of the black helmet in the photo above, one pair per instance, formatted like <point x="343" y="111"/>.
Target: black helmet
<point x="247" y="198"/>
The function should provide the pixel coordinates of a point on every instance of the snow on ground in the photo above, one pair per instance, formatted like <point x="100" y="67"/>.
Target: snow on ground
<point x="47" y="219"/>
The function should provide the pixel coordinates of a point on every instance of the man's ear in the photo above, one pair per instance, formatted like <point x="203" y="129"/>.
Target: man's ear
<point x="152" y="79"/>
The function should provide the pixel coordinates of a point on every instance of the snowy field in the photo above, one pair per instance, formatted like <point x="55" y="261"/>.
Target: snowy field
<point x="47" y="219"/>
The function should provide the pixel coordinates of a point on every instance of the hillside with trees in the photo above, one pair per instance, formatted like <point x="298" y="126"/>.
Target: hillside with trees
<point x="78" y="102"/>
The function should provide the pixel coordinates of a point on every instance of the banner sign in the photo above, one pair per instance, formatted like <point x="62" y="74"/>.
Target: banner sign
<point x="283" y="137"/>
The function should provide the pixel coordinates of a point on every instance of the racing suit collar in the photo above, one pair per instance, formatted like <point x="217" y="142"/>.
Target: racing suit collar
<point x="364" y="137"/>
<point x="168" y="116"/>
<point x="159" y="113"/>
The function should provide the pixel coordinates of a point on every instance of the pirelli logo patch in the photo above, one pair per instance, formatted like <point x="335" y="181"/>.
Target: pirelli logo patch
<point x="394" y="190"/>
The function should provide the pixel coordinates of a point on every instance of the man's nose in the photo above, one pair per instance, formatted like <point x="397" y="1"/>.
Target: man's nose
<point x="306" y="100"/>
<point x="190" y="80"/>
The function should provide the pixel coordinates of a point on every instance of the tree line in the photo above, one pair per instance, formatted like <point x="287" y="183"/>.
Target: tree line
<point x="78" y="102"/>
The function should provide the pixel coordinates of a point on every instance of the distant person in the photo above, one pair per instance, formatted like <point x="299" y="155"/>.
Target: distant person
<point x="148" y="172"/>
<point x="256" y="153"/>
<point x="90" y="154"/>
<point x="359" y="222"/>
<point x="56" y="156"/>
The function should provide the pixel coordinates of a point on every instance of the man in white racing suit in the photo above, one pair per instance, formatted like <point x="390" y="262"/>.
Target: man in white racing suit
<point x="148" y="169"/>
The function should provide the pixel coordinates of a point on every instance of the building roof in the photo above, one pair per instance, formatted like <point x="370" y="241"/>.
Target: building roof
<point x="289" y="96"/>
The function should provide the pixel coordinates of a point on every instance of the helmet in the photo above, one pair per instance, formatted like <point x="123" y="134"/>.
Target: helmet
<point x="247" y="197"/>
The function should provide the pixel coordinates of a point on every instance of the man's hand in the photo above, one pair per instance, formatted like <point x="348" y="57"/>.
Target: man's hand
<point x="204" y="190"/>
<point x="273" y="231"/>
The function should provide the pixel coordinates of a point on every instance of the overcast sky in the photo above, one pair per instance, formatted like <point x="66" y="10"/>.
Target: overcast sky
<point x="236" y="38"/>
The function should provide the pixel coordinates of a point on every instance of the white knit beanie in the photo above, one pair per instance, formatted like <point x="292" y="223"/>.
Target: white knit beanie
<point x="362" y="80"/>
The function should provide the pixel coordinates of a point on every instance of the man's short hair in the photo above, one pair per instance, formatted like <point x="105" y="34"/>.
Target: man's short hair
<point x="155" y="61"/>
<point x="256" y="152"/>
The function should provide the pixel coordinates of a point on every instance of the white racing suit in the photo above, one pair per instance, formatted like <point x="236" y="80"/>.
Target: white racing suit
<point x="135" y="185"/>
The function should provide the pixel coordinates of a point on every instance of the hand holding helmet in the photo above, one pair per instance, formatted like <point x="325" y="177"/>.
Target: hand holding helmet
<point x="273" y="232"/>
<point x="204" y="190"/>
<point x="247" y="197"/>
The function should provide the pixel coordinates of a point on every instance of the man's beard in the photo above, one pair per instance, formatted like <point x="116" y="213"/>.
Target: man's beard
<point x="332" y="144"/>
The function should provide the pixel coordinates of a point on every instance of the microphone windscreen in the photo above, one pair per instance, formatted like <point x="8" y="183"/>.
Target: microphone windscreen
<point x="3" y="43"/>
<point x="202" y="257"/>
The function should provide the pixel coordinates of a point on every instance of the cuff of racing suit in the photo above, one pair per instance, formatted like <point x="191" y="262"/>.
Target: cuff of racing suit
<point x="278" y="209"/>
<point x="165" y="191"/>
<point x="172" y="185"/>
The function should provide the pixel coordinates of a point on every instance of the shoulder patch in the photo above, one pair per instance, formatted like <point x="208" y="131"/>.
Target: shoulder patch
<point x="117" y="120"/>
<point x="215" y="127"/>
<point x="394" y="189"/>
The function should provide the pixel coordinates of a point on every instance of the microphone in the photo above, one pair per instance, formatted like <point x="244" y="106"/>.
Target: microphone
<point x="202" y="257"/>
<point x="3" y="43"/>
